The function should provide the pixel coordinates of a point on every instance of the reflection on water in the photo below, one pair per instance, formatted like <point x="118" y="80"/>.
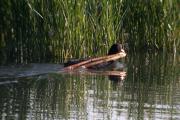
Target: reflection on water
<point x="150" y="90"/>
<point x="15" y="71"/>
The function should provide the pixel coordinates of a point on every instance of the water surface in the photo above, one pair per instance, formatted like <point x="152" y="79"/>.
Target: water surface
<point x="150" y="90"/>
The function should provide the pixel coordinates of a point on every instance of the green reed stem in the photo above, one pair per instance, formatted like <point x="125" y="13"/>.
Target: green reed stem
<point x="53" y="31"/>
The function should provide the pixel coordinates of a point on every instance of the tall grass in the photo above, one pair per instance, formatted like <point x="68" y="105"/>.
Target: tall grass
<point x="52" y="31"/>
<point x="151" y="24"/>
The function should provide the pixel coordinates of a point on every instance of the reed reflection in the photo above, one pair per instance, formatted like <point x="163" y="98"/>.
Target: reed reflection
<point x="149" y="90"/>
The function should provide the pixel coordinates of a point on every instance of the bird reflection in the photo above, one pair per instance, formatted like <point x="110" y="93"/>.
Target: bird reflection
<point x="117" y="80"/>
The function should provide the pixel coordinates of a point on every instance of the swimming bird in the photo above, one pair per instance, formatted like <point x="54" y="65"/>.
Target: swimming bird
<point x="102" y="62"/>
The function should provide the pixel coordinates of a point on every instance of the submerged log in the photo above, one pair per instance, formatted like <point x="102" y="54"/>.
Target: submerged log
<point x="95" y="61"/>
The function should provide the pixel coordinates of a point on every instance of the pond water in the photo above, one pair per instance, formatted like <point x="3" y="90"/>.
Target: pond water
<point x="148" y="89"/>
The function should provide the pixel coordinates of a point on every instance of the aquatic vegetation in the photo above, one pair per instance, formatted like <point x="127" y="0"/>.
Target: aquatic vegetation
<point x="150" y="24"/>
<point x="53" y="31"/>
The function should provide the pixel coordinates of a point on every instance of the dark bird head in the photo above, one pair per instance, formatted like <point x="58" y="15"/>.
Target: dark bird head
<point x="115" y="48"/>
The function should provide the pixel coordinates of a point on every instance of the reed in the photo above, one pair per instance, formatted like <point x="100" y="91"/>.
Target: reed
<point x="150" y="23"/>
<point x="53" y="31"/>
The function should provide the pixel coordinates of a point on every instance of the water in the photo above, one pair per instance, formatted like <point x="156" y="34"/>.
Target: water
<point x="149" y="89"/>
